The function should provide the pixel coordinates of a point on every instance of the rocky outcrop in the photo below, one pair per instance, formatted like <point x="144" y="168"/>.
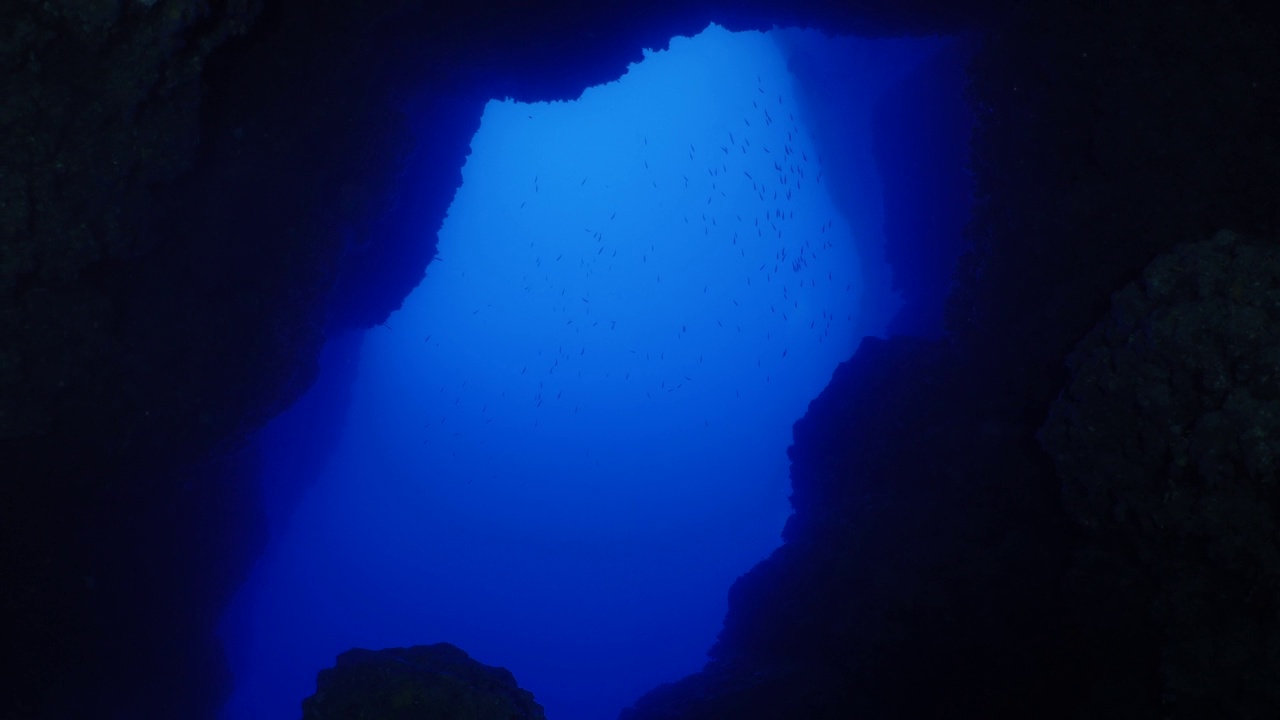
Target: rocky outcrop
<point x="937" y="566"/>
<point x="919" y="572"/>
<point x="435" y="682"/>
<point x="1167" y="440"/>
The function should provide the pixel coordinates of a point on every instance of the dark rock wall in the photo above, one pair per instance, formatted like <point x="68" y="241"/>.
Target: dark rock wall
<point x="1168" y="443"/>
<point x="194" y="195"/>
<point x="931" y="568"/>
<point x="919" y="575"/>
<point x="101" y="105"/>
<point x="1105" y="136"/>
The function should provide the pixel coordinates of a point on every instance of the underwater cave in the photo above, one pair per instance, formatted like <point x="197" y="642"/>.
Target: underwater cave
<point x="570" y="439"/>
<point x="688" y="360"/>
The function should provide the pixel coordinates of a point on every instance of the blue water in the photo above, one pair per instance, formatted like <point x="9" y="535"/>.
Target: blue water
<point x="568" y="442"/>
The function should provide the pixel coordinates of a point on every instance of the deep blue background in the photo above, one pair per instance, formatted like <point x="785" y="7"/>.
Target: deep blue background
<point x="571" y="439"/>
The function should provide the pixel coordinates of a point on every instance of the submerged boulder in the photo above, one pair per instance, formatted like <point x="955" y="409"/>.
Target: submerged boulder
<point x="439" y="682"/>
<point x="1167" y="442"/>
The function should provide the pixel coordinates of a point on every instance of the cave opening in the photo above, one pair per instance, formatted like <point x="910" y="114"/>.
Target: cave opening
<point x="571" y="438"/>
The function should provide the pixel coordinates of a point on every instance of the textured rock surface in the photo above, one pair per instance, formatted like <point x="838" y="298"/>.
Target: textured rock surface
<point x="425" y="682"/>
<point x="1167" y="441"/>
